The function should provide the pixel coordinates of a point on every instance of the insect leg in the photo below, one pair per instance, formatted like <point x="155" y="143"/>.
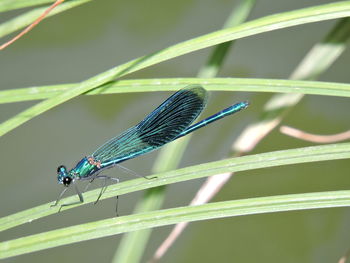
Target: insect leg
<point x="104" y="187"/>
<point x="81" y="198"/>
<point x="127" y="170"/>
<point x="89" y="183"/>
<point x="60" y="196"/>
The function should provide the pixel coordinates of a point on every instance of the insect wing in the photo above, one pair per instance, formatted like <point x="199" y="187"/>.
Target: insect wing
<point x="161" y="126"/>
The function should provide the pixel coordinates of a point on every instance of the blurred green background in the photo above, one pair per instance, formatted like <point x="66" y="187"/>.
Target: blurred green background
<point x="94" y="37"/>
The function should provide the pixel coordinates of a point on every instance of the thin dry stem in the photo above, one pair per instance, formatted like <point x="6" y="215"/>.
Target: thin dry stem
<point x="32" y="25"/>
<point x="299" y="134"/>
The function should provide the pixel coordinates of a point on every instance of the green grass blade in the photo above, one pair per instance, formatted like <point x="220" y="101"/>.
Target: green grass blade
<point x="245" y="163"/>
<point x="118" y="225"/>
<point x="29" y="17"/>
<point x="265" y="24"/>
<point x="174" y="84"/>
<point x="7" y="5"/>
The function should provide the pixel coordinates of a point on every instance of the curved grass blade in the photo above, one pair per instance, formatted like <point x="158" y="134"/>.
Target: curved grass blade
<point x="29" y="17"/>
<point x="265" y="24"/>
<point x="174" y="84"/>
<point x="32" y="25"/>
<point x="245" y="163"/>
<point x="8" y="5"/>
<point x="118" y="225"/>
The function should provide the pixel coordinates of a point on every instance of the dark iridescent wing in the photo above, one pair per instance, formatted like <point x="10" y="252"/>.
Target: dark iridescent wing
<point x="161" y="126"/>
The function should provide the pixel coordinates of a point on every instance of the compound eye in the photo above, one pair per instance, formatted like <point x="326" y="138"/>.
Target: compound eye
<point x="61" y="168"/>
<point x="67" y="181"/>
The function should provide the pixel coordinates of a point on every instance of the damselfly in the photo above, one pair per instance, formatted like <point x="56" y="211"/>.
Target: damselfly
<point x="170" y="121"/>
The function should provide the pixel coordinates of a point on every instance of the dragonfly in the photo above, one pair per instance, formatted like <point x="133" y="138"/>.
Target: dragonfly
<point x="168" y="122"/>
